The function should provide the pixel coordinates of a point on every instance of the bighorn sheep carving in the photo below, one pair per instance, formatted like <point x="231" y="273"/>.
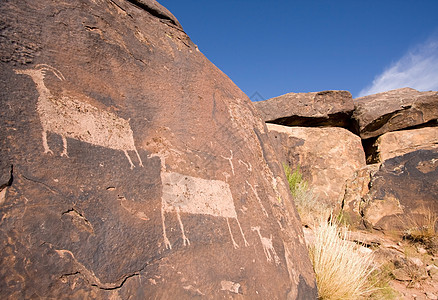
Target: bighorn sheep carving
<point x="72" y="117"/>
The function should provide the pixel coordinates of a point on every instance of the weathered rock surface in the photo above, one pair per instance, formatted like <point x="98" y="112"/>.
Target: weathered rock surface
<point x="397" y="143"/>
<point x="328" y="108"/>
<point x="328" y="157"/>
<point x="356" y="191"/>
<point x="394" y="110"/>
<point x="403" y="192"/>
<point x="140" y="170"/>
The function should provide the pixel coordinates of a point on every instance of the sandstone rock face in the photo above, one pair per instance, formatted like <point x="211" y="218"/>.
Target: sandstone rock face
<point x="327" y="157"/>
<point x="332" y="108"/>
<point x="403" y="191"/>
<point x="394" y="110"/>
<point x="132" y="168"/>
<point x="397" y="143"/>
<point x="356" y="191"/>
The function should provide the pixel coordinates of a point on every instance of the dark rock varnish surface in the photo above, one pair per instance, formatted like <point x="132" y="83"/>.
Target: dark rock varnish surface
<point x="395" y="110"/>
<point x="131" y="167"/>
<point x="316" y="109"/>
<point x="404" y="189"/>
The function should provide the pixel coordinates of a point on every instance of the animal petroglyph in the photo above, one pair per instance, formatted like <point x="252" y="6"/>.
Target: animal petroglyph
<point x="72" y="117"/>
<point x="193" y="195"/>
<point x="268" y="247"/>
<point x="258" y="198"/>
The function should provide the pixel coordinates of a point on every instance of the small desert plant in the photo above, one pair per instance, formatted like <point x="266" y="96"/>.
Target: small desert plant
<point x="308" y="206"/>
<point x="295" y="179"/>
<point x="341" y="270"/>
<point x="423" y="228"/>
<point x="343" y="218"/>
<point x="380" y="280"/>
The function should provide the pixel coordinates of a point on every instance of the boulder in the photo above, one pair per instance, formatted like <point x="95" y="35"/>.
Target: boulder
<point x="132" y="168"/>
<point x="403" y="192"/>
<point x="356" y="190"/>
<point x="394" y="110"/>
<point x="328" y="157"/>
<point x="328" y="108"/>
<point x="401" y="275"/>
<point x="398" y="143"/>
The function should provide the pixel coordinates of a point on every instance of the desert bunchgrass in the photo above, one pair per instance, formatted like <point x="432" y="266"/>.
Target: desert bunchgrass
<point x="341" y="270"/>
<point x="422" y="228"/>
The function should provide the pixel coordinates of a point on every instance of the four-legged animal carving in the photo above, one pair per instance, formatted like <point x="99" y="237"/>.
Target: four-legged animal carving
<point x="268" y="247"/>
<point x="73" y="117"/>
<point x="187" y="194"/>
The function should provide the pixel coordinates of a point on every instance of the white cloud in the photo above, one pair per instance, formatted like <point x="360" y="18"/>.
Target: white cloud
<point x="417" y="69"/>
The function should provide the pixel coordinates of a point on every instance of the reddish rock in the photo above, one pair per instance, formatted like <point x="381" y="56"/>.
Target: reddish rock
<point x="394" y="110"/>
<point x="140" y="171"/>
<point x="403" y="192"/>
<point x="356" y="191"/>
<point x="401" y="275"/>
<point x="328" y="108"/>
<point x="397" y="195"/>
<point x="397" y="143"/>
<point x="328" y="157"/>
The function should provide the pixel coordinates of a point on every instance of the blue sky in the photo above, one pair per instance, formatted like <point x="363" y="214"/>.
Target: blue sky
<point x="277" y="47"/>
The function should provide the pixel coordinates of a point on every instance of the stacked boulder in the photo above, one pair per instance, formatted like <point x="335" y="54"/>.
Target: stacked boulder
<point x="375" y="157"/>
<point x="316" y="138"/>
<point x="400" y="134"/>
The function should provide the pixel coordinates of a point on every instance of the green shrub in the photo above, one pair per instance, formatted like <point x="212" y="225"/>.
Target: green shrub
<point x="309" y="207"/>
<point x="297" y="184"/>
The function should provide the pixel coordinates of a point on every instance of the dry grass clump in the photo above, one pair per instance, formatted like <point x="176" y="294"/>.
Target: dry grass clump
<point x="422" y="229"/>
<point x="341" y="270"/>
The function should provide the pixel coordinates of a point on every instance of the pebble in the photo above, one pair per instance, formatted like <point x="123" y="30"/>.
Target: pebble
<point x="401" y="275"/>
<point x="416" y="261"/>
<point x="421" y="250"/>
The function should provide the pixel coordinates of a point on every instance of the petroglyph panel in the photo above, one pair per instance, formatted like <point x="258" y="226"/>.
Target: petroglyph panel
<point x="187" y="194"/>
<point x="258" y="199"/>
<point x="70" y="115"/>
<point x="197" y="196"/>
